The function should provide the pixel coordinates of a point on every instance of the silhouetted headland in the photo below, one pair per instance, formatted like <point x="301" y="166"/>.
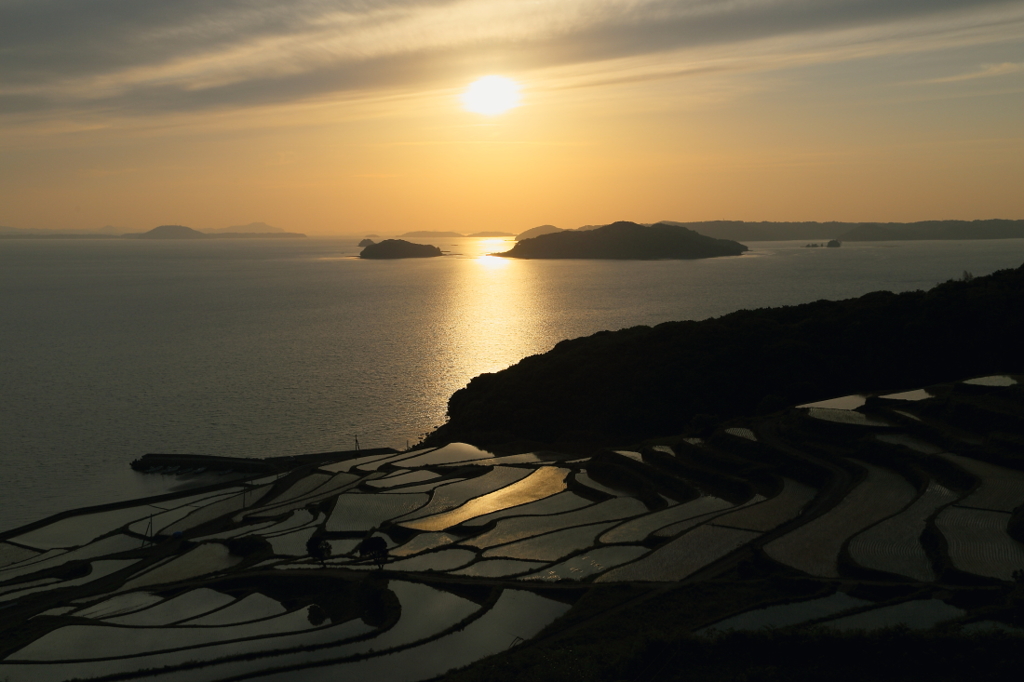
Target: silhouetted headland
<point x="642" y="382"/>
<point x="399" y="248"/>
<point x="625" y="241"/>
<point x="538" y="231"/>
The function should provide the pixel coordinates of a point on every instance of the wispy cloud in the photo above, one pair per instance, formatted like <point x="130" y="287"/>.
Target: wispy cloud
<point x="126" y="57"/>
<point x="987" y="71"/>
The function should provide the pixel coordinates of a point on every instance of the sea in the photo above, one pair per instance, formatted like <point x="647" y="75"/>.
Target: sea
<point x="110" y="349"/>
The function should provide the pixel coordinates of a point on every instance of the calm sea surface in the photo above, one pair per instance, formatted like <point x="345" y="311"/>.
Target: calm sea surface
<point x="111" y="349"/>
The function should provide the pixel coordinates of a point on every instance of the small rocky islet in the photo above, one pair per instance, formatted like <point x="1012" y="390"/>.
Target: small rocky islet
<point x="399" y="248"/>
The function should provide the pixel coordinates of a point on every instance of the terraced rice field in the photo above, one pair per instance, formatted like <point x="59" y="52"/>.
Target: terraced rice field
<point x="454" y="452"/>
<point x="846" y="416"/>
<point x="252" y="607"/>
<point x="742" y="433"/>
<point x="918" y="394"/>
<point x="403" y="477"/>
<point x="291" y="544"/>
<point x="683" y="526"/>
<point x="519" y="520"/>
<point x="814" y="547"/>
<point x="772" y="513"/>
<point x="550" y="547"/>
<point x="97" y="570"/>
<point x="499" y="568"/>
<point x="79" y="530"/>
<point x="846" y="402"/>
<point x="12" y="554"/>
<point x="785" y="615"/>
<point x="510" y="530"/>
<point x="894" y="545"/>
<point x="355" y="511"/>
<point x="638" y="529"/>
<point x="556" y="504"/>
<point x="584" y="479"/>
<point x="1000" y="381"/>
<point x="591" y="563"/>
<point x="1001" y="489"/>
<point x="441" y="560"/>
<point x="977" y="542"/>
<point x="451" y="495"/>
<point x="907" y="441"/>
<point x="204" y="559"/>
<point x="122" y="603"/>
<point x="683" y="556"/>
<point x="191" y="604"/>
<point x="424" y="542"/>
<point x="216" y="510"/>
<point x="532" y="486"/>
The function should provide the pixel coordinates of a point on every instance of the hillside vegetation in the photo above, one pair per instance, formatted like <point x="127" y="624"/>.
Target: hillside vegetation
<point x="648" y="381"/>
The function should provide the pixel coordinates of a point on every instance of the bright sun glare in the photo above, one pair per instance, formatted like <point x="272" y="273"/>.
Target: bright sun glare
<point x="491" y="95"/>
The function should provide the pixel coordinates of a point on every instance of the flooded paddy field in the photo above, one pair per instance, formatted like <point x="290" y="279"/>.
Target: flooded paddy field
<point x="406" y="565"/>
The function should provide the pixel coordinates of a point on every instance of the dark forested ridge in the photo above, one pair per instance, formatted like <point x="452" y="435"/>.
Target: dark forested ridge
<point x="624" y="240"/>
<point x="642" y="382"/>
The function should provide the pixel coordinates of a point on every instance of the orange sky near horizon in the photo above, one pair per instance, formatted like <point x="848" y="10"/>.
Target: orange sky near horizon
<point x="858" y="115"/>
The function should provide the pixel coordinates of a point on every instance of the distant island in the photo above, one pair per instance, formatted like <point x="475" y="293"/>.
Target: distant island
<point x="432" y="235"/>
<point x="399" y="248"/>
<point x="491" y="234"/>
<point x="183" y="232"/>
<point x="625" y="241"/>
<point x="538" y="231"/>
<point x="366" y="242"/>
<point x="858" y="232"/>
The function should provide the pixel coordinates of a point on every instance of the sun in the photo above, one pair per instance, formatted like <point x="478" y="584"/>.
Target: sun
<point x="491" y="95"/>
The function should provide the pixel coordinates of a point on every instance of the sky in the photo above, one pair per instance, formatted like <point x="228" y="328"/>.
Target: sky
<point x="345" y="116"/>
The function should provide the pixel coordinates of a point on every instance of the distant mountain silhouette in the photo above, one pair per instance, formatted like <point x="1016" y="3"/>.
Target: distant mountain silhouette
<point x="625" y="241"/>
<point x="251" y="228"/>
<point x="928" y="229"/>
<point x="936" y="229"/>
<point x="430" y="234"/>
<point x="366" y="242"/>
<point x="399" y="248"/>
<point x="491" y="234"/>
<point x="538" y="231"/>
<point x="182" y="232"/>
<point x="170" y="232"/>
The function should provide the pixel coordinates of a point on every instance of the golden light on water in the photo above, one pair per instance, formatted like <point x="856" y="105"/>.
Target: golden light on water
<point x="491" y="95"/>
<point x="493" y="262"/>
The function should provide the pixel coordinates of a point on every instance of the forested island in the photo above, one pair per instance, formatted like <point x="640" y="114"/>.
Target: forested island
<point x="619" y="386"/>
<point x="625" y="240"/>
<point x="399" y="248"/>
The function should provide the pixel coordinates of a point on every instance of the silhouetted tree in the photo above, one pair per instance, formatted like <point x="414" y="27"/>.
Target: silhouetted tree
<point x="374" y="548"/>
<point x="319" y="549"/>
